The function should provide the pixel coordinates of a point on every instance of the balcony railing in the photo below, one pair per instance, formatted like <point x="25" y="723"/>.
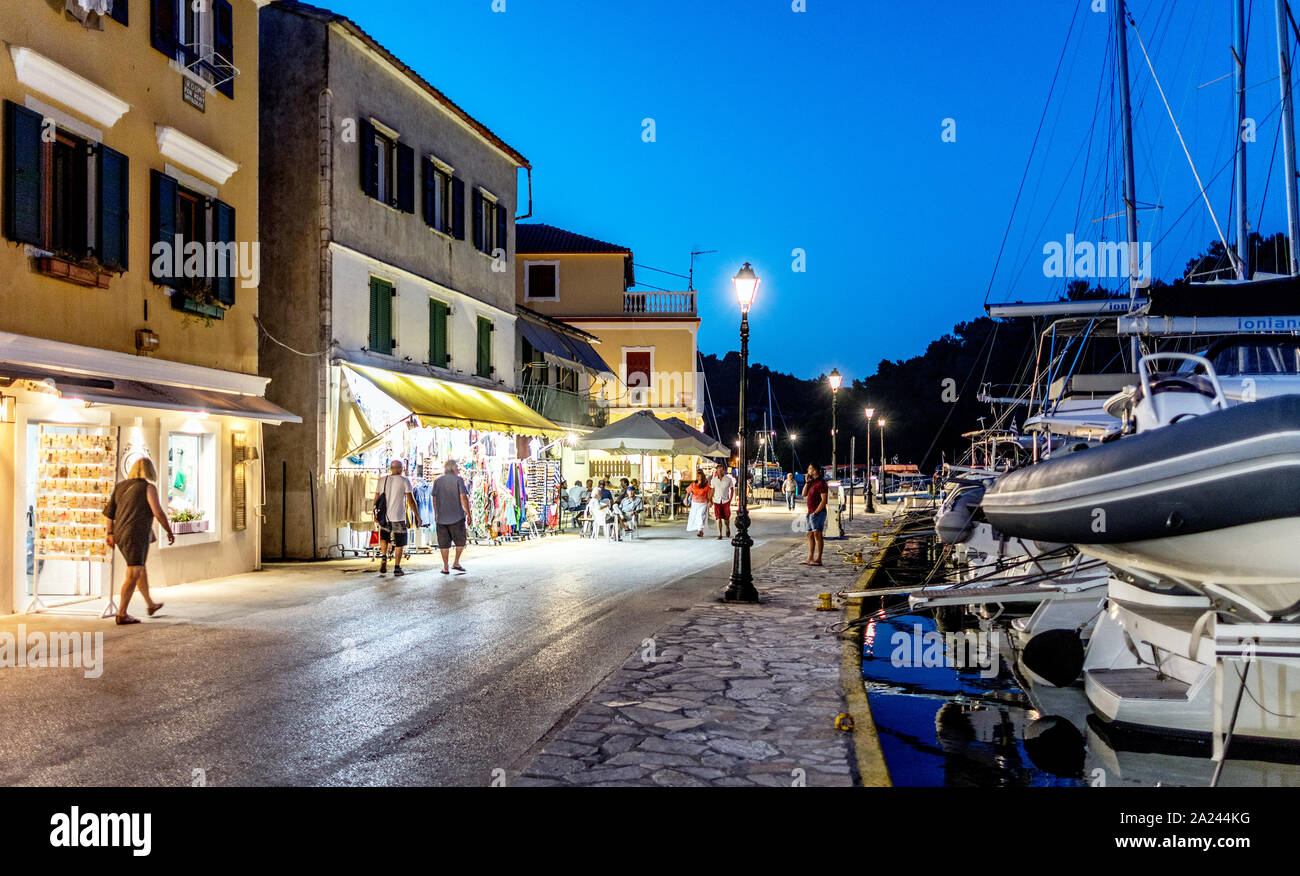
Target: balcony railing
<point x="562" y="406"/>
<point x="659" y="303"/>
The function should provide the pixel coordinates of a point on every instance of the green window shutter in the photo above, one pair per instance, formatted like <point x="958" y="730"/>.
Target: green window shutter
<point x="223" y="274"/>
<point x="484" y="364"/>
<point x="405" y="178"/>
<point x="162" y="196"/>
<point x="502" y="230"/>
<point x="23" y="182"/>
<point x="458" y="208"/>
<point x="476" y="200"/>
<point x="381" y="316"/>
<point x="114" y="196"/>
<point x="369" y="160"/>
<point x="430" y="175"/>
<point x="438" y="334"/>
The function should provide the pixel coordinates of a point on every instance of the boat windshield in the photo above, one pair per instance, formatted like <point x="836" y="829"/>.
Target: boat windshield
<point x="1281" y="357"/>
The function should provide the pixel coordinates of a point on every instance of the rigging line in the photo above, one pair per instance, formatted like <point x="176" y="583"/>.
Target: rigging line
<point x="953" y="407"/>
<point x="1231" y="255"/>
<point x="656" y="288"/>
<point x="1033" y="147"/>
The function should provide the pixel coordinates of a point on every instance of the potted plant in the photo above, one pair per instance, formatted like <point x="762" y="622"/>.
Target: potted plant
<point x="186" y="521"/>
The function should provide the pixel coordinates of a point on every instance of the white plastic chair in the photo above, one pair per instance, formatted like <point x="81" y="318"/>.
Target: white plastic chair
<point x="600" y="522"/>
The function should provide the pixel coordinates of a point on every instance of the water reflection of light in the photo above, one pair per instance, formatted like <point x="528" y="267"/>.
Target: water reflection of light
<point x="869" y="631"/>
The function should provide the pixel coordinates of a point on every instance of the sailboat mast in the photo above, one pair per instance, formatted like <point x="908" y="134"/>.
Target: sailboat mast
<point x="1239" y="79"/>
<point x="1288" y="135"/>
<point x="1126" y="122"/>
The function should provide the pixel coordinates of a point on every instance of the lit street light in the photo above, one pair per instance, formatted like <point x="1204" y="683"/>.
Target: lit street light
<point x="871" y="505"/>
<point x="835" y="379"/>
<point x="884" y="499"/>
<point x="741" y="588"/>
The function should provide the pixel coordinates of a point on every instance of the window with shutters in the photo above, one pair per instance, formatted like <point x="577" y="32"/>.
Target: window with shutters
<point x="536" y="368"/>
<point x="542" y="281"/>
<point x="439" y="351"/>
<point x="199" y="36"/>
<point x="483" y="366"/>
<point x="387" y="168"/>
<point x="438" y="196"/>
<point x="65" y="196"/>
<point x="489" y="222"/>
<point x="382" y="338"/>
<point x="638" y="365"/>
<point x="193" y="247"/>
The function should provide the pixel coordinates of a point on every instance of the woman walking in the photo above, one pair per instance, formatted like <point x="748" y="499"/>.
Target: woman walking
<point x="131" y="511"/>
<point x="699" y="494"/>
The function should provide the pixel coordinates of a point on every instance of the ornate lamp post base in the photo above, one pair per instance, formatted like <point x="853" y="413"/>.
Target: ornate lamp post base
<point x="741" y="587"/>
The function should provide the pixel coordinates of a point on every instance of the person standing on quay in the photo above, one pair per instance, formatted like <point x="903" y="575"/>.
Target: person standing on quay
<point x="817" y="493"/>
<point x="450" y="513"/>
<point x="131" y="511"/>
<point x="699" y="494"/>
<point x="789" y="488"/>
<point x="724" y="487"/>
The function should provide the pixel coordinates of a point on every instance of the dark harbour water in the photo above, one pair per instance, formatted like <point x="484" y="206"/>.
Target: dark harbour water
<point x="946" y="727"/>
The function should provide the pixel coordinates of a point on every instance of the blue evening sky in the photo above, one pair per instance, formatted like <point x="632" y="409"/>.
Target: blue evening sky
<point x="820" y="130"/>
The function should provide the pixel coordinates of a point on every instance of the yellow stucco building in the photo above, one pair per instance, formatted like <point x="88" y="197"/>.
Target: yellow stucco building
<point x="129" y="303"/>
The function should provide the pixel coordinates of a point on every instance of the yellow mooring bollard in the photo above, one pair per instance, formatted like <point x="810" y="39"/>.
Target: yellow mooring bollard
<point x="875" y="538"/>
<point x="843" y="721"/>
<point x="824" y="602"/>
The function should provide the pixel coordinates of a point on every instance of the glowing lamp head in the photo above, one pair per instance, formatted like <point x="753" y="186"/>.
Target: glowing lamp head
<point x="835" y="380"/>
<point x="871" y="412"/>
<point x="746" y="283"/>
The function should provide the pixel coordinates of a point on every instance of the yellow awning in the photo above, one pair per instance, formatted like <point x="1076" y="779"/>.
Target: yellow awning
<point x="353" y="433"/>
<point x="457" y="406"/>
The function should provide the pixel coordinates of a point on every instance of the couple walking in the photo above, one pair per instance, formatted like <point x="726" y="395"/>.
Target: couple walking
<point x="715" y="493"/>
<point x="450" y="512"/>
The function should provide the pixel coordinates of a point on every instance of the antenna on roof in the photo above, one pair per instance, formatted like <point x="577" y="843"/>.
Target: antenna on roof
<point x="690" y="281"/>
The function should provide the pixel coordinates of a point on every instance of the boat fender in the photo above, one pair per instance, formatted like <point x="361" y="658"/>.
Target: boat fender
<point x="1056" y="656"/>
<point x="1055" y="746"/>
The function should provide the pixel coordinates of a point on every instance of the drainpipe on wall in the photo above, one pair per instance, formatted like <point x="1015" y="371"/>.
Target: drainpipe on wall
<point x="326" y="294"/>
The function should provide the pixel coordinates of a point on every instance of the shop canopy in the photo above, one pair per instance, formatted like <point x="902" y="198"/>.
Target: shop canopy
<point x="106" y="390"/>
<point x="353" y="433"/>
<point x="643" y="433"/>
<point x="561" y="348"/>
<point x="457" y="405"/>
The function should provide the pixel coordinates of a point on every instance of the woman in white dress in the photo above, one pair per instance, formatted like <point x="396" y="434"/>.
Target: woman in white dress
<point x="700" y="494"/>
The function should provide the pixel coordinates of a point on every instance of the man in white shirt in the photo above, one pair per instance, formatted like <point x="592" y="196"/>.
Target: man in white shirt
<point x="396" y="491"/>
<point x="723" y="486"/>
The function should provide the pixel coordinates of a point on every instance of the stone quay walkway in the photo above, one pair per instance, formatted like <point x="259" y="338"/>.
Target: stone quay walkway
<point x="728" y="695"/>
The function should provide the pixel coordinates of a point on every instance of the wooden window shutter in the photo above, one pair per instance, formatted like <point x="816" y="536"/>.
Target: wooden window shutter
<point x="405" y="178"/>
<point x="381" y="316"/>
<point x="118" y="12"/>
<point x="438" y="334"/>
<point x="162" y="198"/>
<point x="502" y="230"/>
<point x="458" y="208"/>
<point x="23" y="183"/>
<point x="477" y="215"/>
<point x="164" y="31"/>
<point x="484" y="363"/>
<point x="223" y="228"/>
<point x="111" y="226"/>
<point x="430" y="183"/>
<point x="223" y="40"/>
<point x="369" y="160"/>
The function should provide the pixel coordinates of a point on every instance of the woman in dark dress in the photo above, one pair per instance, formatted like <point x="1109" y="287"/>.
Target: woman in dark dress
<point x="131" y="511"/>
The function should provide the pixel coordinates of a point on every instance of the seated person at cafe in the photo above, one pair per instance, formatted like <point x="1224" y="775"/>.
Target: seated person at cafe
<point x="627" y="509"/>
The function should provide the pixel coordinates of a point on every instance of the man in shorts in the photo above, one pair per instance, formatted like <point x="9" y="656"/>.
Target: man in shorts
<point x="817" y="493"/>
<point x="450" y="512"/>
<point x="723" y="486"/>
<point x="398" y="496"/>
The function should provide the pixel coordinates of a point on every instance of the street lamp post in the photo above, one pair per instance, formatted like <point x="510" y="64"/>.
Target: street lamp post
<point x="884" y="499"/>
<point x="741" y="588"/>
<point x="834" y="380"/>
<point x="871" y="504"/>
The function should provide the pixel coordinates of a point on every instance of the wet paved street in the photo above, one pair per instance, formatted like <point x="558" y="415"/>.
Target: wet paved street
<point x="321" y="674"/>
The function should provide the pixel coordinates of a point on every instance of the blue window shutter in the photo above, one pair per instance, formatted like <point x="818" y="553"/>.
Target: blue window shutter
<point x="118" y="12"/>
<point x="369" y="160"/>
<point x="223" y="39"/>
<point x="405" y="178"/>
<point x="458" y="208"/>
<point x="22" y="175"/>
<point x="111" y="227"/>
<point x="223" y="227"/>
<point x="478" y="220"/>
<point x="502" y="229"/>
<point x="430" y="180"/>
<point x="162" y="197"/>
<point x="164" y="31"/>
